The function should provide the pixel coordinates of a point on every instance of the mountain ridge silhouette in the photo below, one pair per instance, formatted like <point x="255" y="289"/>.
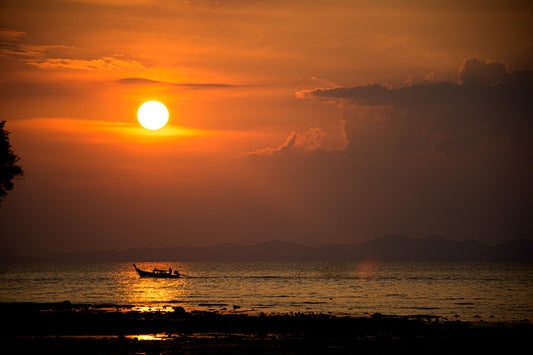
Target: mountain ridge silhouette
<point x="391" y="247"/>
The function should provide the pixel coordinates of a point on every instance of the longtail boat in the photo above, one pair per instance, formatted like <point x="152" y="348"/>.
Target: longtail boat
<point x="158" y="273"/>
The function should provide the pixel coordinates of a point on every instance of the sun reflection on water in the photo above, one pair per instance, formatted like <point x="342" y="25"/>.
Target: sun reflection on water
<point x="149" y="309"/>
<point x="145" y="337"/>
<point x="367" y="269"/>
<point x="152" y="295"/>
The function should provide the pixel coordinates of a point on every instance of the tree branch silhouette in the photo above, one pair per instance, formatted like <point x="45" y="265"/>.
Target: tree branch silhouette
<point x="9" y="169"/>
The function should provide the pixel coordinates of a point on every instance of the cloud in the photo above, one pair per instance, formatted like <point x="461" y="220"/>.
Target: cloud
<point x="9" y="34"/>
<point x="424" y="157"/>
<point x="99" y="64"/>
<point x="473" y="72"/>
<point x="10" y="46"/>
<point x="295" y="143"/>
<point x="477" y="72"/>
<point x="145" y="81"/>
<point x="488" y="102"/>
<point x="39" y="56"/>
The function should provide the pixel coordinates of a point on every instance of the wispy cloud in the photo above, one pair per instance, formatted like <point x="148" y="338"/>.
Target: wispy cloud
<point x="98" y="64"/>
<point x="10" y="45"/>
<point x="9" y="34"/>
<point x="39" y="56"/>
<point x="145" y="81"/>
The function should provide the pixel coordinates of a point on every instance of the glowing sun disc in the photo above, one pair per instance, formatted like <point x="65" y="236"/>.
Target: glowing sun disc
<point x="152" y="115"/>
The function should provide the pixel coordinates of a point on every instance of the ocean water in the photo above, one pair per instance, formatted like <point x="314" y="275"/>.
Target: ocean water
<point x="464" y="291"/>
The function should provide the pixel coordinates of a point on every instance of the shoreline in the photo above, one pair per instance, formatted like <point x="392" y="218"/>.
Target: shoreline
<point x="231" y="309"/>
<point x="125" y="329"/>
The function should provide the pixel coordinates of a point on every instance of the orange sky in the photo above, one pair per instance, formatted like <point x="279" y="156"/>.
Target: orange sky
<point x="318" y="122"/>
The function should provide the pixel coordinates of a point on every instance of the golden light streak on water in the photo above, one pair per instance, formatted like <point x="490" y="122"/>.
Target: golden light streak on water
<point x="367" y="269"/>
<point x="148" y="337"/>
<point x="147" y="290"/>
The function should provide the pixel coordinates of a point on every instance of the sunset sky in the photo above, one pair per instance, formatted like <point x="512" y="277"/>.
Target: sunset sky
<point x="310" y="121"/>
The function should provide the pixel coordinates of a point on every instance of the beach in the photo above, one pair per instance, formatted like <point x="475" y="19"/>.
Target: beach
<point x="66" y="328"/>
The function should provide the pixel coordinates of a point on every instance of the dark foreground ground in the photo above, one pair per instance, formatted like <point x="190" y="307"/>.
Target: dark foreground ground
<point x="64" y="328"/>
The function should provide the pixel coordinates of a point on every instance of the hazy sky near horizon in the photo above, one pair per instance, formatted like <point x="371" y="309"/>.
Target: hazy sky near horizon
<point x="311" y="121"/>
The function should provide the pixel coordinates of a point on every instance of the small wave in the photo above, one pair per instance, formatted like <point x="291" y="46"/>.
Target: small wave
<point x="47" y="279"/>
<point x="247" y="277"/>
<point x="284" y="277"/>
<point x="213" y="305"/>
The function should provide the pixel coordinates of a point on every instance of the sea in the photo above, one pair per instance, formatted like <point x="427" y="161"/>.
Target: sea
<point x="452" y="291"/>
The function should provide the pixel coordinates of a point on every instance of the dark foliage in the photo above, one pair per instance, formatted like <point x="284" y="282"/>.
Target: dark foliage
<point x="9" y="169"/>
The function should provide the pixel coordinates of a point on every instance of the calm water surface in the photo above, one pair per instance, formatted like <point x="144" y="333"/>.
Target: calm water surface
<point x="465" y="291"/>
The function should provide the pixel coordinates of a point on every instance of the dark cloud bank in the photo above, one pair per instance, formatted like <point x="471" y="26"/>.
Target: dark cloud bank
<point x="489" y="102"/>
<point x="426" y="158"/>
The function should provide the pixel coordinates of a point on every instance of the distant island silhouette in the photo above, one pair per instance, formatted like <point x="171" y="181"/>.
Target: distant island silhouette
<point x="393" y="247"/>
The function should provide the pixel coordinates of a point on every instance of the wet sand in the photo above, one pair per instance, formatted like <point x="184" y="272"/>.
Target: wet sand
<point x="64" y="328"/>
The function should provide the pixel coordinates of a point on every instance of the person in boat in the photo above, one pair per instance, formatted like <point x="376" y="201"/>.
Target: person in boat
<point x="170" y="271"/>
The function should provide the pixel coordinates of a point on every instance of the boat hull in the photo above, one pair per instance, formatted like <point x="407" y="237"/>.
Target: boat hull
<point x="155" y="275"/>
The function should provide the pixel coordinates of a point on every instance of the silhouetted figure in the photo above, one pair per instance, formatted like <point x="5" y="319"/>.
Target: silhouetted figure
<point x="8" y="167"/>
<point x="170" y="271"/>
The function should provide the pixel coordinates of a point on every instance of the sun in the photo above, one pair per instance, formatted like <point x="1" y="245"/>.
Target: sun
<point x="152" y="115"/>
